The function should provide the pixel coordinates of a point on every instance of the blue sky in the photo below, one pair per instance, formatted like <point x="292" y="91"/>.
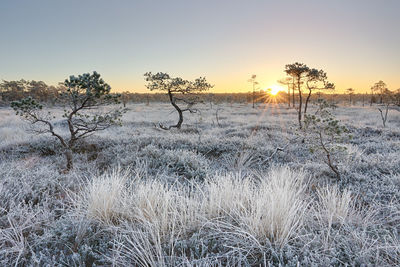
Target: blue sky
<point x="355" y="42"/>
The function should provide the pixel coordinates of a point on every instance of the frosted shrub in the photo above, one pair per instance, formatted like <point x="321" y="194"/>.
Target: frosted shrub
<point x="271" y="209"/>
<point x="243" y="216"/>
<point x="153" y="203"/>
<point x="227" y="195"/>
<point x="278" y="206"/>
<point x="105" y="195"/>
<point x="335" y="206"/>
<point x="140" y="247"/>
<point x="181" y="162"/>
<point x="353" y="155"/>
<point x="72" y="241"/>
<point x="114" y="198"/>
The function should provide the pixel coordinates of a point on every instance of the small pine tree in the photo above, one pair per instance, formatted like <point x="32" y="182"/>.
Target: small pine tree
<point x="83" y="96"/>
<point x="324" y="133"/>
<point x="179" y="91"/>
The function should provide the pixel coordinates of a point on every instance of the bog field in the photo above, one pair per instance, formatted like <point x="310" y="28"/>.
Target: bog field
<point x="235" y="186"/>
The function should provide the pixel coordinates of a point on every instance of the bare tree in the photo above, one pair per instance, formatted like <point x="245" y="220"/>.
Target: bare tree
<point x="147" y="100"/>
<point x="288" y="81"/>
<point x="298" y="71"/>
<point x="363" y="98"/>
<point x="253" y="81"/>
<point x="350" y="91"/>
<point x="216" y="116"/>
<point x="389" y="98"/>
<point x="178" y="90"/>
<point x="125" y="98"/>
<point x="84" y="95"/>
<point x="372" y="97"/>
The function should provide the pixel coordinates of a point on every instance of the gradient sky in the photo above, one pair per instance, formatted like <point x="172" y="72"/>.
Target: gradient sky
<point x="356" y="42"/>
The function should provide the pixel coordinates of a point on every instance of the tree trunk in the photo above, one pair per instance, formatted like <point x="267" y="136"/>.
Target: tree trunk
<point x="329" y="162"/>
<point x="253" y="94"/>
<point x="68" y="156"/>
<point x="293" y="99"/>
<point x="363" y="98"/>
<point x="384" y="117"/>
<point x="66" y="146"/>
<point x="308" y="99"/>
<point x="332" y="166"/>
<point x="179" y="124"/>
<point x="372" y="97"/>
<point x="180" y="113"/>
<point x="300" y="102"/>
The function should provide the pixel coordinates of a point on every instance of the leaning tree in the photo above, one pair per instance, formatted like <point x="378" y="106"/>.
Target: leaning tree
<point x="180" y="92"/>
<point x="316" y="80"/>
<point x="83" y="97"/>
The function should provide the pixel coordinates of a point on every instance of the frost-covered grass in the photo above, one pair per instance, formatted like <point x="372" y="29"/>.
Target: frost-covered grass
<point x="244" y="192"/>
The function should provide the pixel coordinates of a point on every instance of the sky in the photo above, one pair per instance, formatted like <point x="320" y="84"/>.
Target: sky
<point x="355" y="41"/>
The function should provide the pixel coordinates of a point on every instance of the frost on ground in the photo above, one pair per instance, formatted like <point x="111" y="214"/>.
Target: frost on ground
<point x="243" y="190"/>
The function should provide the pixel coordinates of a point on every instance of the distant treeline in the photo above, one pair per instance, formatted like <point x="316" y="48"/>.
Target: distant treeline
<point x="260" y="97"/>
<point x="17" y="90"/>
<point x="39" y="90"/>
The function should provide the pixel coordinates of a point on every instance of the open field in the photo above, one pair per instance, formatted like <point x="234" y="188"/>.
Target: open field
<point x="236" y="188"/>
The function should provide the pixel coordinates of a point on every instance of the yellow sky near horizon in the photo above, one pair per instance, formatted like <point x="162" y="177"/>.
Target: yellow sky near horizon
<point x="237" y="85"/>
<point x="235" y="78"/>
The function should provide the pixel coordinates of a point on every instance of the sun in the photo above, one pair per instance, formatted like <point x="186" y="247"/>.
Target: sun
<point x="274" y="89"/>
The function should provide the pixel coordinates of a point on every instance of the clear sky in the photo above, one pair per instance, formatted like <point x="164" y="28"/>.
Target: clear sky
<point x="357" y="42"/>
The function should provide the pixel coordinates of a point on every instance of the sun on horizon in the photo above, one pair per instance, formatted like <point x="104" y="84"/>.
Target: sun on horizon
<point x="274" y="89"/>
